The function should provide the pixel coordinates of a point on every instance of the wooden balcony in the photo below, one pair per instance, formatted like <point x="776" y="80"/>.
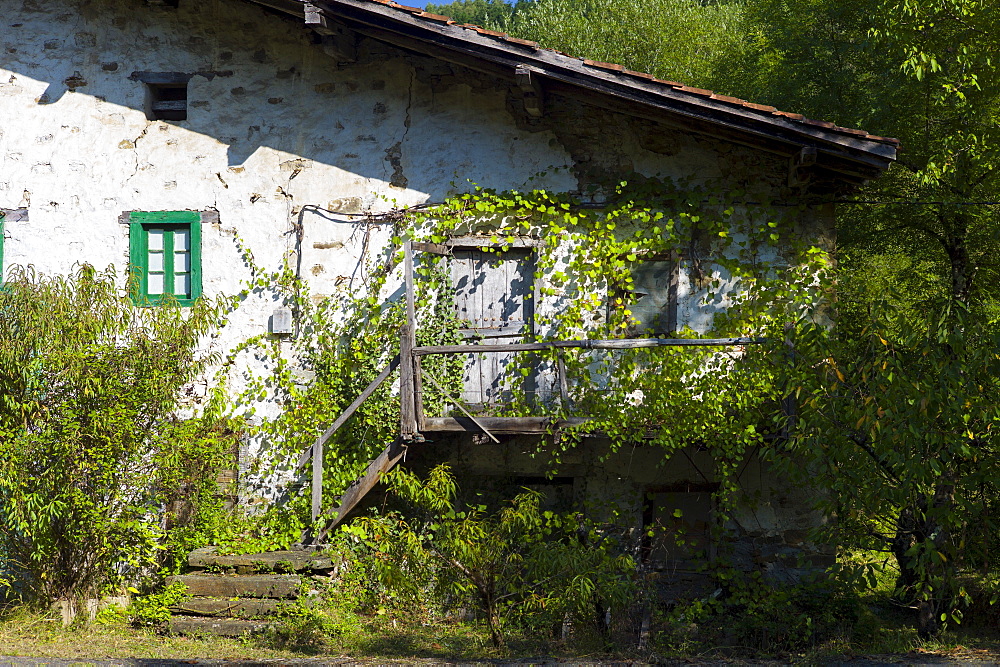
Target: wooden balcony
<point x="414" y="423"/>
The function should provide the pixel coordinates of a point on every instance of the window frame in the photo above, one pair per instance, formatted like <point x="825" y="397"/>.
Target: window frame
<point x="140" y="224"/>
<point x="156" y="84"/>
<point x="660" y="557"/>
<point x="629" y="300"/>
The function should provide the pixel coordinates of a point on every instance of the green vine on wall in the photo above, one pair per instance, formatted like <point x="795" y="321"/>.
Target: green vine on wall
<point x="757" y="266"/>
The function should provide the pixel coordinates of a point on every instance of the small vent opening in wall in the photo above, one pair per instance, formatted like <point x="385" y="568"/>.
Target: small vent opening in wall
<point x="167" y="102"/>
<point x="166" y="94"/>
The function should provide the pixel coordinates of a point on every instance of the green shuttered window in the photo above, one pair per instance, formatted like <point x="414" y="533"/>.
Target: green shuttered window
<point x="165" y="256"/>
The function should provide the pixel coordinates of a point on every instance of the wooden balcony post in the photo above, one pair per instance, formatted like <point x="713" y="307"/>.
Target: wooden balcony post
<point x="407" y="341"/>
<point x="317" y="478"/>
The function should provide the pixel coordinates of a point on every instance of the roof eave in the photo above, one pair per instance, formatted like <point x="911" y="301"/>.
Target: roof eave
<point x="854" y="155"/>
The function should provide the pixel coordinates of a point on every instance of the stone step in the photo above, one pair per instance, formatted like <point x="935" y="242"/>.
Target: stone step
<point x="221" y="627"/>
<point x="276" y="586"/>
<point x="237" y="608"/>
<point x="299" y="560"/>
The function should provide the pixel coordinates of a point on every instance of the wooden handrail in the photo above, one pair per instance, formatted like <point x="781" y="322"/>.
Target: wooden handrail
<point x="382" y="464"/>
<point x="613" y="344"/>
<point x="351" y="409"/>
<point x="315" y="452"/>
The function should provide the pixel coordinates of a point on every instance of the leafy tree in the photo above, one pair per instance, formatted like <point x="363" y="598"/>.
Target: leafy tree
<point x="897" y="405"/>
<point x="91" y="446"/>
<point x="673" y="39"/>
<point x="492" y="13"/>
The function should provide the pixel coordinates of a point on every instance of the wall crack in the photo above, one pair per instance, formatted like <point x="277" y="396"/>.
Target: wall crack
<point x="394" y="154"/>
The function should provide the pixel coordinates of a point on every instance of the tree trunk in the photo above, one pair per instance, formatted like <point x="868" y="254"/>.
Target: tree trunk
<point x="929" y="584"/>
<point x="492" y="619"/>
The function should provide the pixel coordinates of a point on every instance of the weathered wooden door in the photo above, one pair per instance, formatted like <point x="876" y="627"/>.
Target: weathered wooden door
<point x="494" y="299"/>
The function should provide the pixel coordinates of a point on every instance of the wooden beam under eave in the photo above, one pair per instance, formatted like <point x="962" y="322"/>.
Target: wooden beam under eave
<point x="532" y="96"/>
<point x="289" y="7"/>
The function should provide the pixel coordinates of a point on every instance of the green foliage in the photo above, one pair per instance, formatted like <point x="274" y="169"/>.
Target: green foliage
<point x="898" y="403"/>
<point x="685" y="40"/>
<point x="486" y="13"/>
<point x="302" y="626"/>
<point x="197" y="505"/>
<point x="899" y="424"/>
<point x="90" y="443"/>
<point x="153" y="609"/>
<point x="763" y="619"/>
<point x="717" y="398"/>
<point x="518" y="565"/>
<point x="343" y="343"/>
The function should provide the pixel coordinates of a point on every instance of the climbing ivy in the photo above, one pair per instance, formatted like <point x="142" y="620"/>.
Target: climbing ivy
<point x="746" y="261"/>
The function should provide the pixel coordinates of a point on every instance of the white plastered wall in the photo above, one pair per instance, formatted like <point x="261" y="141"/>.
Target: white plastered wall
<point x="274" y="124"/>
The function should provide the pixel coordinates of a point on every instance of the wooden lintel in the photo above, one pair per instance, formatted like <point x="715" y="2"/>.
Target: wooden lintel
<point x="162" y="78"/>
<point x="487" y="241"/>
<point x="434" y="248"/>
<point x="501" y="241"/>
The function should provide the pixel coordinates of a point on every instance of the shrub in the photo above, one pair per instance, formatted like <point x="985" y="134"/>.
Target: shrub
<point x="91" y="446"/>
<point x="538" y="567"/>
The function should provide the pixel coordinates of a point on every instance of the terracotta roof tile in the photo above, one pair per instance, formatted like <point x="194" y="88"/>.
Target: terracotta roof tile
<point x="819" y="123"/>
<point x="435" y="17"/>
<point x="759" y="107"/>
<point x="596" y="63"/>
<point x="522" y="42"/>
<point x="789" y="114"/>
<point x="885" y="140"/>
<point x="696" y="91"/>
<point x="612" y="67"/>
<point x="639" y="75"/>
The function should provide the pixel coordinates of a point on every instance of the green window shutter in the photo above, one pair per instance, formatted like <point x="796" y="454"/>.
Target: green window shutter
<point x="196" y="259"/>
<point x="137" y="262"/>
<point x="165" y="256"/>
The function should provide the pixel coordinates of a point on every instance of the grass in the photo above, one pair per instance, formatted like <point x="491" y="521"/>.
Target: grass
<point x="30" y="634"/>
<point x="26" y="634"/>
<point x="870" y="626"/>
<point x="379" y="639"/>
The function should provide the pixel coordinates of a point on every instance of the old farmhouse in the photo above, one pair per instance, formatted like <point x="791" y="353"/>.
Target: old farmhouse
<point x="153" y="134"/>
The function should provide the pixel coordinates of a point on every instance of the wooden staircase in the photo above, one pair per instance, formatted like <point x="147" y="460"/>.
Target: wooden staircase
<point x="236" y="595"/>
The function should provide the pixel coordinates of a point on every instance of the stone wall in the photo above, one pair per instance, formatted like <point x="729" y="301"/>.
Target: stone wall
<point x="638" y="488"/>
<point x="288" y="148"/>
